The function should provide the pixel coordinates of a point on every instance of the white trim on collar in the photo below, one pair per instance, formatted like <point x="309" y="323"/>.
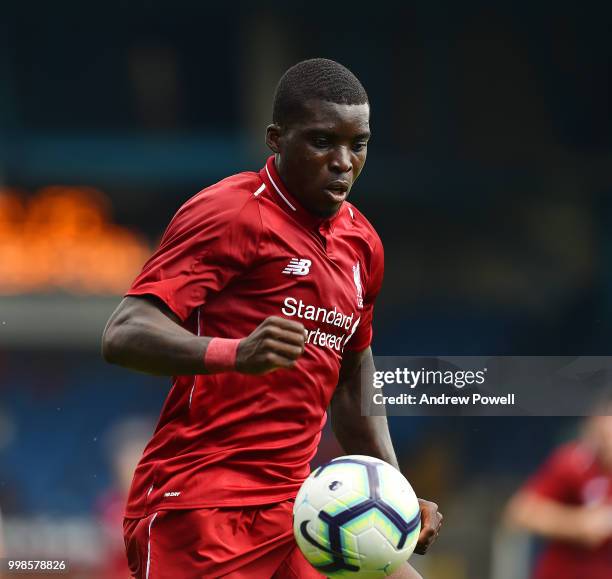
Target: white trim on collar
<point x="278" y="190"/>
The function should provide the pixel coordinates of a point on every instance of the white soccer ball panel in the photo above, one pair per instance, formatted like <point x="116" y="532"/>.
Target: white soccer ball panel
<point x="397" y="492"/>
<point x="378" y="554"/>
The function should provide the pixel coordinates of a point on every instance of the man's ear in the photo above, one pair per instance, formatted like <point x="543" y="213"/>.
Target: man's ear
<point x="273" y="136"/>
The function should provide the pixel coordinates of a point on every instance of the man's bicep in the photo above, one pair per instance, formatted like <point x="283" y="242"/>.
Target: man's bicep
<point x="133" y="320"/>
<point x="147" y="307"/>
<point x="353" y="363"/>
<point x="347" y="394"/>
<point x="151" y="305"/>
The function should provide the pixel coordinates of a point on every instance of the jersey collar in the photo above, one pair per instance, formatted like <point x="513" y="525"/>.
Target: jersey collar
<point x="290" y="204"/>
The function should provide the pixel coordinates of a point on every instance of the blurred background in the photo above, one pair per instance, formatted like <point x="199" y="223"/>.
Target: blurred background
<point x="488" y="178"/>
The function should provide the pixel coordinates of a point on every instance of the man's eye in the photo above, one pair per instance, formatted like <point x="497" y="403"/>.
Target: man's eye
<point x="321" y="142"/>
<point x="360" y="146"/>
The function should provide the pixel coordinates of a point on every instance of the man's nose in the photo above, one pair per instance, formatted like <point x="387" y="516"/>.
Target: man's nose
<point x="341" y="160"/>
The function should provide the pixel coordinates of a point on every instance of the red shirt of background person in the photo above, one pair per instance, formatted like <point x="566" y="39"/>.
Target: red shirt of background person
<point x="279" y="261"/>
<point x="124" y="442"/>
<point x="569" y="502"/>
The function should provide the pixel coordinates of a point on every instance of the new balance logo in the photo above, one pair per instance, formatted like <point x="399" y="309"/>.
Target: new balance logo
<point x="298" y="267"/>
<point x="172" y="494"/>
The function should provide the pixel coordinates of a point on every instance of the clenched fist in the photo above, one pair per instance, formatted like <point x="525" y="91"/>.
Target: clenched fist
<point x="275" y="343"/>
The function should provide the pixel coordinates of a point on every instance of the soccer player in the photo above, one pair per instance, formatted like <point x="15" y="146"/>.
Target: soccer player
<point x="569" y="503"/>
<point x="259" y="301"/>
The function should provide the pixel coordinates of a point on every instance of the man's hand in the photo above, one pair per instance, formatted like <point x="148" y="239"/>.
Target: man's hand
<point x="594" y="525"/>
<point x="431" y="521"/>
<point x="275" y="343"/>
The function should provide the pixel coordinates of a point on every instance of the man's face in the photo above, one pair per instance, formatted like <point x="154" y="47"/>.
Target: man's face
<point x="320" y="155"/>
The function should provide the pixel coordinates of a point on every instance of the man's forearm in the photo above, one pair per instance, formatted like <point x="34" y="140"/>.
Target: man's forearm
<point x="147" y="337"/>
<point x="369" y="435"/>
<point x="589" y="526"/>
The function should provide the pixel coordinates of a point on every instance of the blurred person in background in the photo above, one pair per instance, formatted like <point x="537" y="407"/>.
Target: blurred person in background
<point x="213" y="493"/>
<point x="568" y="502"/>
<point x="124" y="443"/>
<point x="1" y="535"/>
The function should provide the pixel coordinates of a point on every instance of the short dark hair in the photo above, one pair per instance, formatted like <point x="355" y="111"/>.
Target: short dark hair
<point x="316" y="78"/>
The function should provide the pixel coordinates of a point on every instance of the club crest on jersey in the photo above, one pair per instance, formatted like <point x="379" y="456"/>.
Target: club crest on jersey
<point x="357" y="280"/>
<point x="298" y="266"/>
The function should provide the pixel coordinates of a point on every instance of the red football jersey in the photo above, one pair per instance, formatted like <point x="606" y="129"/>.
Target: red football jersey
<point x="572" y="476"/>
<point x="235" y="254"/>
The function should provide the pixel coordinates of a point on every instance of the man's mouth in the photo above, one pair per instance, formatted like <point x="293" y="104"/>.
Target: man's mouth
<point x="342" y="186"/>
<point x="338" y="190"/>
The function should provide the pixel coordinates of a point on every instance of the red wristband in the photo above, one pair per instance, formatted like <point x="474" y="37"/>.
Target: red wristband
<point x="220" y="355"/>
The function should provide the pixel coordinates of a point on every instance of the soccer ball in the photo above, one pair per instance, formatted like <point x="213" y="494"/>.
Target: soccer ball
<point x="356" y="516"/>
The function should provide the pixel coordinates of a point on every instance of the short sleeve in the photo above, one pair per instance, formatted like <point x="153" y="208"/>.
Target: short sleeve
<point x="362" y="336"/>
<point x="556" y="478"/>
<point x="209" y="241"/>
